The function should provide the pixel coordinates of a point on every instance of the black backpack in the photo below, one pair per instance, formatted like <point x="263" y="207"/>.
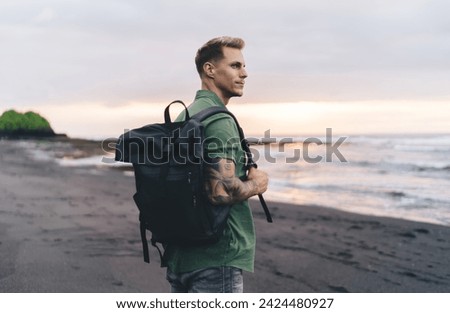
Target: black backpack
<point x="168" y="161"/>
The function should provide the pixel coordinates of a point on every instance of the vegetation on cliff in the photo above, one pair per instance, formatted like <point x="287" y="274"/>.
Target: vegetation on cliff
<point x="14" y="124"/>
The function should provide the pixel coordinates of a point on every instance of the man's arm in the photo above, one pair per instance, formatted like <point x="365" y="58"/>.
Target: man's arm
<point x="223" y="187"/>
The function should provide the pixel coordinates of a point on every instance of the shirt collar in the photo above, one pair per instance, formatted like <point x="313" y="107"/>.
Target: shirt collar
<point x="210" y="95"/>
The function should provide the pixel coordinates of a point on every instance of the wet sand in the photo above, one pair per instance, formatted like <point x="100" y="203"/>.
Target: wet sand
<point x="74" y="229"/>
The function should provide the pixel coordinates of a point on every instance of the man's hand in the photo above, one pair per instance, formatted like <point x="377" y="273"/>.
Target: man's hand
<point x="260" y="179"/>
<point x="223" y="187"/>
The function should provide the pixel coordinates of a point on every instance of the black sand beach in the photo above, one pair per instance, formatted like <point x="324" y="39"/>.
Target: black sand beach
<point x="74" y="229"/>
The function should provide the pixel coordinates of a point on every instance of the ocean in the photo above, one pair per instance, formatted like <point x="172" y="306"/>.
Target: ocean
<point x="401" y="176"/>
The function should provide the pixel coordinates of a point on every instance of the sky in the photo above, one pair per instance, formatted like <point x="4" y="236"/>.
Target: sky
<point x="94" y="68"/>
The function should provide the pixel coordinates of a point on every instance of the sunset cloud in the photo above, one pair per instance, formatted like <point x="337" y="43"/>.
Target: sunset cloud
<point x="115" y="52"/>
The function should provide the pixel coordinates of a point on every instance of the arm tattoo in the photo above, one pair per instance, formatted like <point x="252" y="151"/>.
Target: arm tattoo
<point x="223" y="187"/>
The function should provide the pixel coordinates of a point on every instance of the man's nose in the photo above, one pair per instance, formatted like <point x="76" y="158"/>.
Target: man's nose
<point x="243" y="73"/>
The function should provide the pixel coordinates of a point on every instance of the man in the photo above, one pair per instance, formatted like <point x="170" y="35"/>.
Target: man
<point x="218" y="267"/>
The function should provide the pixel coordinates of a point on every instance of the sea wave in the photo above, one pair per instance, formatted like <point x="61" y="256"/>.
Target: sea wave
<point x="383" y="176"/>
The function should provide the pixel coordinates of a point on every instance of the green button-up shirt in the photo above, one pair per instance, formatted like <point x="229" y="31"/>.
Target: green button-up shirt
<point x="237" y="245"/>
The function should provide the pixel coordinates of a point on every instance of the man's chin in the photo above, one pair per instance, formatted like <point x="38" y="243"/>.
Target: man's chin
<point x="236" y="94"/>
<point x="239" y="94"/>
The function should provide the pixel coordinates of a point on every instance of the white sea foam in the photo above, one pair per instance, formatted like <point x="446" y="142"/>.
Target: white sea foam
<point x="397" y="176"/>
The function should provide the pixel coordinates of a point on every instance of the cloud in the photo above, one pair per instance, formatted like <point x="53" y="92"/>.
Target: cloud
<point x="117" y="52"/>
<point x="47" y="14"/>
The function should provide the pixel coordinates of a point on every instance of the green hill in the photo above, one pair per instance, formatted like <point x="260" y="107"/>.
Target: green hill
<point x="29" y="124"/>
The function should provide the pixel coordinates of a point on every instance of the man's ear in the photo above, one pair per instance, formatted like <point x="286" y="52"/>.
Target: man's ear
<point x="208" y="69"/>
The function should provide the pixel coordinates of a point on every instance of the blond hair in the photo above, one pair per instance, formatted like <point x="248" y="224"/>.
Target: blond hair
<point x="212" y="50"/>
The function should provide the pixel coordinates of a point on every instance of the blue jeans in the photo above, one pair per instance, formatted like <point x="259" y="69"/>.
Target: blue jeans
<point x="213" y="280"/>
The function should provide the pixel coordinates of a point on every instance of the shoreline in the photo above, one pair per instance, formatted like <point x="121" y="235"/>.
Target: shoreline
<point x="75" y="229"/>
<point x="87" y="152"/>
<point x="338" y="251"/>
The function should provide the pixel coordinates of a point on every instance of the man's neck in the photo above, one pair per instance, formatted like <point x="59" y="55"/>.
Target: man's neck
<point x="212" y="88"/>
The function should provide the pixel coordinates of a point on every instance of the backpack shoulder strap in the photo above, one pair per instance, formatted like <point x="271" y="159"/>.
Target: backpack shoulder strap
<point x="204" y="114"/>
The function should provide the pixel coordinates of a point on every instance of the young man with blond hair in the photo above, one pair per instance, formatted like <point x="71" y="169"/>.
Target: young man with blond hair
<point x="218" y="267"/>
